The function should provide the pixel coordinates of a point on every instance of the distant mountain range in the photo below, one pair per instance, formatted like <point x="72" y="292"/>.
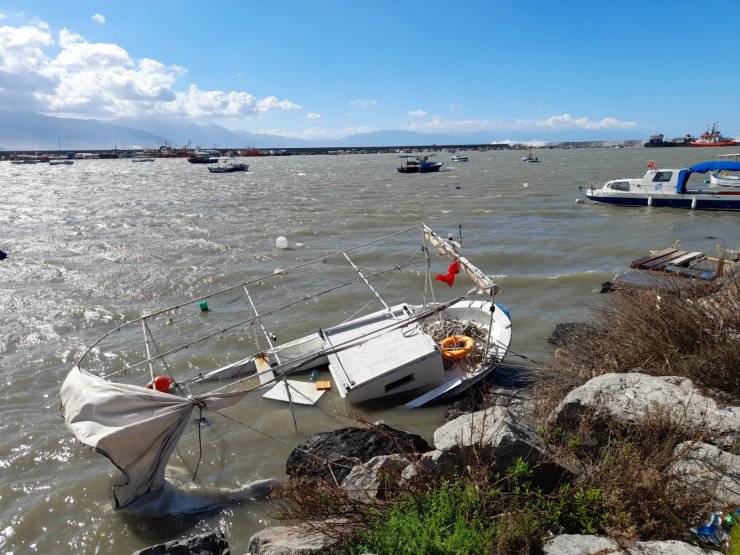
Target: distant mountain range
<point x="28" y="131"/>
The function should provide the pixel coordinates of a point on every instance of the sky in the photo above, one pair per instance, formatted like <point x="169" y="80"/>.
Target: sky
<point x="539" y="70"/>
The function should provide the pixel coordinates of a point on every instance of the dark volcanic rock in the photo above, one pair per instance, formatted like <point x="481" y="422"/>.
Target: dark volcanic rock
<point x="567" y="334"/>
<point x="346" y="448"/>
<point x="206" y="544"/>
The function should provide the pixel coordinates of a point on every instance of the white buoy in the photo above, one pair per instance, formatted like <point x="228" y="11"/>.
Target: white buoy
<point x="281" y="243"/>
<point x="526" y="185"/>
<point x="579" y="201"/>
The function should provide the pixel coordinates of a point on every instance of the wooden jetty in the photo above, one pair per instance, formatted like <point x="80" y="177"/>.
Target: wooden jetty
<point x="690" y="268"/>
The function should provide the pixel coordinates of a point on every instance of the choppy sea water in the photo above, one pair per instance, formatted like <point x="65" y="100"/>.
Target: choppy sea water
<point x="97" y="243"/>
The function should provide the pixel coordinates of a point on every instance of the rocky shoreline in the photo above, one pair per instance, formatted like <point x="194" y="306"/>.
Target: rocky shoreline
<point x="363" y="460"/>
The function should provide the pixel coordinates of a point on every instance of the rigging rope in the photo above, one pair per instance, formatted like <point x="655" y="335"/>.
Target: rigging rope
<point x="295" y="447"/>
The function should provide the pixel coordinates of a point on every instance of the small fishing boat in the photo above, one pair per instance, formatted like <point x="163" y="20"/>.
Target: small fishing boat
<point x="418" y="164"/>
<point x="530" y="157"/>
<point x="204" y="157"/>
<point x="459" y="158"/>
<point x="131" y="394"/>
<point x="671" y="188"/>
<point x="61" y="162"/>
<point x="723" y="179"/>
<point x="142" y="159"/>
<point x="228" y="167"/>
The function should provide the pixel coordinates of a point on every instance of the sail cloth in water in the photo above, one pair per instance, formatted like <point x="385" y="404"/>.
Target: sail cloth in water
<point x="135" y="427"/>
<point x="483" y="282"/>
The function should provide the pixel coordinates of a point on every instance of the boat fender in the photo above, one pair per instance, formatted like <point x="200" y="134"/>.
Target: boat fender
<point x="693" y="203"/>
<point x="160" y="383"/>
<point x="650" y="201"/>
<point x="456" y="346"/>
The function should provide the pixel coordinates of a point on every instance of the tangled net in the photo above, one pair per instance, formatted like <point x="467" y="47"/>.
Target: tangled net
<point x="446" y="328"/>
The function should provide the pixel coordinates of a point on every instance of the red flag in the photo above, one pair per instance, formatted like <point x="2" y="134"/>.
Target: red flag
<point x="452" y="271"/>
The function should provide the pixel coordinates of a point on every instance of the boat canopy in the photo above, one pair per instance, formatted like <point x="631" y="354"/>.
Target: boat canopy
<point x="715" y="165"/>
<point x="704" y="167"/>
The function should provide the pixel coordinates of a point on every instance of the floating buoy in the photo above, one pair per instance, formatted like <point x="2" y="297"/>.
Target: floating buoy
<point x="526" y="185"/>
<point x="281" y="243"/>
<point x="579" y="201"/>
<point x="204" y="306"/>
<point x="160" y="383"/>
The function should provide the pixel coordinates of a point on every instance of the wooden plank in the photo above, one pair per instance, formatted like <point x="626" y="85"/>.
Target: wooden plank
<point x="659" y="263"/>
<point x="688" y="257"/>
<point x="640" y="261"/>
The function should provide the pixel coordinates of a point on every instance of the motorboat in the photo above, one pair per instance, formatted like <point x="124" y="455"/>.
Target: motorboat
<point x="671" y="188"/>
<point x="142" y="159"/>
<point x="61" y="162"/>
<point x="130" y="395"/>
<point x="204" y="157"/>
<point x="530" y="157"/>
<point x="228" y="167"/>
<point x="418" y="164"/>
<point x="459" y="158"/>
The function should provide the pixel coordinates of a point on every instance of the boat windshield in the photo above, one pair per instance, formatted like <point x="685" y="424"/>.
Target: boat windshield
<point x="620" y="186"/>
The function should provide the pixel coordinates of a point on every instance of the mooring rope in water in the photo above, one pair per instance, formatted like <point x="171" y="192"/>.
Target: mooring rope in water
<point x="525" y="358"/>
<point x="323" y="460"/>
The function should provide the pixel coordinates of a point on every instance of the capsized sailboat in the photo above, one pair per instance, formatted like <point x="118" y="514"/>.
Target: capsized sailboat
<point x="131" y="394"/>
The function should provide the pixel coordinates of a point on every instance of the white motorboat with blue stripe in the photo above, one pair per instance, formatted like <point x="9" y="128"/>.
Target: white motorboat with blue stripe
<point x="672" y="188"/>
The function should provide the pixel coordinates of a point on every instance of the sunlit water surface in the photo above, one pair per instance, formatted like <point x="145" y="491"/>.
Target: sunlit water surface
<point x="97" y="243"/>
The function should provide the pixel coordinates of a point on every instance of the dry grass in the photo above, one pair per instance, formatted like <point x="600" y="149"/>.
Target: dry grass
<point x="670" y="332"/>
<point x="626" y="488"/>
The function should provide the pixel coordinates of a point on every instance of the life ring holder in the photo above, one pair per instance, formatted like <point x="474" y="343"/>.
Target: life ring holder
<point x="456" y="347"/>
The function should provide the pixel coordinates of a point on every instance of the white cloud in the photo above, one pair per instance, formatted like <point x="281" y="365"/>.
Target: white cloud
<point x="562" y="122"/>
<point x="77" y="78"/>
<point x="418" y="114"/>
<point x="566" y="121"/>
<point x="99" y="18"/>
<point x="364" y="103"/>
<point x="313" y="116"/>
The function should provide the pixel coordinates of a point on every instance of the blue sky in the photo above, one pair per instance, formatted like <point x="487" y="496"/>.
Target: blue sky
<point x="322" y="69"/>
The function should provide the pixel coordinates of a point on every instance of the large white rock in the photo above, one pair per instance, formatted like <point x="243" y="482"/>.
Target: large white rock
<point x="628" y="397"/>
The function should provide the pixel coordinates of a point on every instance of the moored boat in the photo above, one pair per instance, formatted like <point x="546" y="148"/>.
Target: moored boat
<point x="418" y="164"/>
<point x="228" y="167"/>
<point x="459" y="158"/>
<point x="204" y="157"/>
<point x="659" y="140"/>
<point x="530" y="157"/>
<point x="713" y="137"/>
<point x="670" y="188"/>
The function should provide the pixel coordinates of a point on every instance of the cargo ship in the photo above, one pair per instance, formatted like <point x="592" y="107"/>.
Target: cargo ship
<point x="660" y="141"/>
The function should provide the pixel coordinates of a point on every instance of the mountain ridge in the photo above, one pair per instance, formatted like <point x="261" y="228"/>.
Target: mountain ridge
<point x="30" y="131"/>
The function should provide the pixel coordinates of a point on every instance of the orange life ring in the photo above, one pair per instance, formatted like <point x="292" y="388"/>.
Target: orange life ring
<point x="456" y="346"/>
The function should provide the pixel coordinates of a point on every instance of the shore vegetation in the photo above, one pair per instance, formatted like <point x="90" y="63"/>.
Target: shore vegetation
<point x="623" y="487"/>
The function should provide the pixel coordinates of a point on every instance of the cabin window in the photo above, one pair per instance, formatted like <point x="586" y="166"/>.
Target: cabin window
<point x="621" y="186"/>
<point x="398" y="383"/>
<point x="663" y="176"/>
